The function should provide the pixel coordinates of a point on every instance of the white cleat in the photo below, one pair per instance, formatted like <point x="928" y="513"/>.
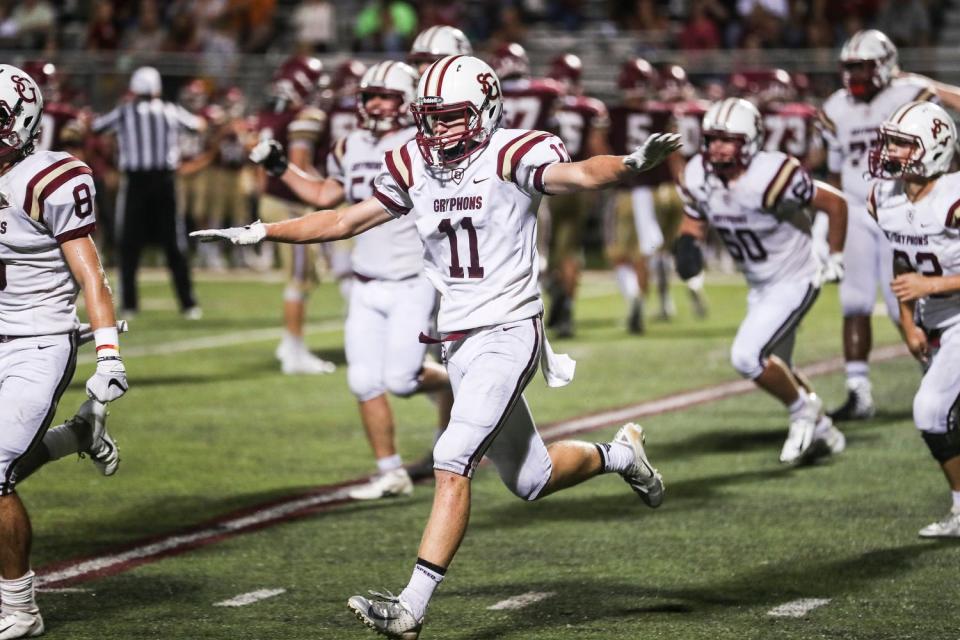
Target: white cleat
<point x="386" y="614"/>
<point x="859" y="402"/>
<point x="642" y="477"/>
<point x="103" y="449"/>
<point x="20" y="624"/>
<point x="949" y="527"/>
<point x="800" y="437"/>
<point x="828" y="434"/>
<point x="302" y="362"/>
<point x="386" y="485"/>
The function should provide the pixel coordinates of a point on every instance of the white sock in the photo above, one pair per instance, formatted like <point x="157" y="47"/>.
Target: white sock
<point x="857" y="369"/>
<point x="64" y="440"/>
<point x="956" y="500"/>
<point x="627" y="281"/>
<point x="798" y="404"/>
<point x="17" y="594"/>
<point x="389" y="463"/>
<point x="616" y="457"/>
<point x="425" y="579"/>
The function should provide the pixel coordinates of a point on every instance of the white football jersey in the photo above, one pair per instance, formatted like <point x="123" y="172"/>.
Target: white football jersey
<point x="850" y="130"/>
<point x="761" y="216"/>
<point x="392" y="251"/>
<point x="478" y="224"/>
<point x="46" y="199"/>
<point x="925" y="237"/>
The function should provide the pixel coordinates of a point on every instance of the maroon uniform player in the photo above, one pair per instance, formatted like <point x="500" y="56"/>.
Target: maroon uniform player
<point x="528" y="103"/>
<point x="339" y="102"/>
<point x="582" y="123"/>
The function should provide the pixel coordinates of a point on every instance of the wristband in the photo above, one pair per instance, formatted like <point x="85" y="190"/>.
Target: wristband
<point x="107" y="340"/>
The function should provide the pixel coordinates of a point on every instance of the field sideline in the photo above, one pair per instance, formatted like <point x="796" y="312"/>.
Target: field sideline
<point x="212" y="430"/>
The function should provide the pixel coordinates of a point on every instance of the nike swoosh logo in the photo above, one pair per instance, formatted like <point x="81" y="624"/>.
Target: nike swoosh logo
<point x="114" y="383"/>
<point x="41" y="347"/>
<point x="476" y="181"/>
<point x="7" y="627"/>
<point x="509" y="328"/>
<point x="376" y="616"/>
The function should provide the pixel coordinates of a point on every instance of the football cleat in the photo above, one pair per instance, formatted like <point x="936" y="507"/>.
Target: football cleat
<point x="949" y="527"/>
<point x="387" y="615"/>
<point x="301" y="362"/>
<point x="641" y="476"/>
<point x="859" y="403"/>
<point x="103" y="449"/>
<point x="385" y="485"/>
<point x="800" y="436"/>
<point x="20" y="624"/>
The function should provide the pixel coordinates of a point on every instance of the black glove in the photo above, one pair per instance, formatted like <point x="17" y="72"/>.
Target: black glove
<point x="269" y="155"/>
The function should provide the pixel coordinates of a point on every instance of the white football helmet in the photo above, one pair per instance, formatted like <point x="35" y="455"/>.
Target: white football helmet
<point x="736" y="119"/>
<point x="390" y="78"/>
<point x="464" y="92"/>
<point x="21" y="108"/>
<point x="869" y="63"/>
<point x="923" y="127"/>
<point x="437" y="42"/>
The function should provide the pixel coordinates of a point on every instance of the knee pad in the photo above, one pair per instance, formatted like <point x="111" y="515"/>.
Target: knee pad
<point x="364" y="383"/>
<point x="402" y="383"/>
<point x="746" y="361"/>
<point x="943" y="446"/>
<point x="530" y="483"/>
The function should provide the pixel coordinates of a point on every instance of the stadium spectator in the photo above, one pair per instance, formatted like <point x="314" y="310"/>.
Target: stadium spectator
<point x="220" y="48"/>
<point x="255" y="23"/>
<point x="316" y="26"/>
<point x="147" y="35"/>
<point x="701" y="30"/>
<point x="385" y="25"/>
<point x="906" y="22"/>
<point x="33" y="24"/>
<point x="433" y="14"/>
<point x="103" y="33"/>
<point x="147" y="204"/>
<point x="183" y="35"/>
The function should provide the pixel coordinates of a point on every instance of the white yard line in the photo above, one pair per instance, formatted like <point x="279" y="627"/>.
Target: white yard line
<point x="798" y="608"/>
<point x="65" y="590"/>
<point x="521" y="601"/>
<point x="244" y="599"/>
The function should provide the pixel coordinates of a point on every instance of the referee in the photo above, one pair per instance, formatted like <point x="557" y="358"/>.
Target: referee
<point x="147" y="130"/>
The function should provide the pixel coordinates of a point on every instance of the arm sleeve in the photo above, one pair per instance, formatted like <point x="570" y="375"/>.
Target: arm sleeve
<point x="524" y="159"/>
<point x="187" y="120"/>
<point x="106" y="122"/>
<point x="392" y="194"/>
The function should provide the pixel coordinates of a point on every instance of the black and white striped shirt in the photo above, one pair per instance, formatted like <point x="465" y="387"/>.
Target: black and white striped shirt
<point x="148" y="133"/>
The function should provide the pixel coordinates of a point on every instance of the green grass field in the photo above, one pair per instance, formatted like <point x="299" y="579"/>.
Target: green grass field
<point x="205" y="431"/>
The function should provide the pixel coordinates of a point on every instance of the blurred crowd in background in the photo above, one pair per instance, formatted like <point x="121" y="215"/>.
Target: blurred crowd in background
<point x="227" y="28"/>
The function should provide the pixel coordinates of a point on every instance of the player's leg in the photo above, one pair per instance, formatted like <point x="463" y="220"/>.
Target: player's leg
<point x="649" y="234"/>
<point x="129" y="234"/>
<point x="623" y="253"/>
<point x="366" y="346"/>
<point x="31" y="383"/>
<point x="858" y="293"/>
<point x="773" y="314"/>
<point x="173" y="235"/>
<point x="565" y="258"/>
<point x="84" y="433"/>
<point x="935" y="413"/>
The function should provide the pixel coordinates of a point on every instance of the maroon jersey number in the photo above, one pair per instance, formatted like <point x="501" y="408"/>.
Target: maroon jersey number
<point x="456" y="271"/>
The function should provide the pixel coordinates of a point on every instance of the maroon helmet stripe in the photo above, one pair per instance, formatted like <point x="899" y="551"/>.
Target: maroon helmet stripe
<point x="906" y="111"/>
<point x="443" y="72"/>
<point x="32" y="184"/>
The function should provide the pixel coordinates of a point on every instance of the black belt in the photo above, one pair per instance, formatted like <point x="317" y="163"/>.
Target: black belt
<point x="362" y="278"/>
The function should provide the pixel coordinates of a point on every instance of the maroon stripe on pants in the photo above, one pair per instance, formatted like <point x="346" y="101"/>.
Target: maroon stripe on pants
<point x="522" y="382"/>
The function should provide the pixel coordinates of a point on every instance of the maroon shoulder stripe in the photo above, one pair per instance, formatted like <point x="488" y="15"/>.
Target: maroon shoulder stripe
<point x="389" y="204"/>
<point x="522" y="151"/>
<point x="32" y="184"/>
<point x="394" y="171"/>
<point x="79" y="232"/>
<point x="953" y="216"/>
<point x="58" y="182"/>
<point x="773" y="181"/>
<point x="405" y="158"/>
<point x="538" y="178"/>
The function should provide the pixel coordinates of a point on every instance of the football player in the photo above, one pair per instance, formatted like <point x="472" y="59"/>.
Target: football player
<point x="917" y="206"/>
<point x="47" y="256"/>
<point x="472" y="189"/>
<point x="850" y="119"/>
<point x="632" y="231"/>
<point x="229" y="154"/>
<point x="58" y="115"/>
<point x="583" y="123"/>
<point x="756" y="201"/>
<point x="391" y="300"/>
<point x="288" y="119"/>
<point x="437" y="42"/>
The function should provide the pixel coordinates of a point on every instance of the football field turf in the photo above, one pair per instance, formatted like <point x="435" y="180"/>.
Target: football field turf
<point x="211" y="429"/>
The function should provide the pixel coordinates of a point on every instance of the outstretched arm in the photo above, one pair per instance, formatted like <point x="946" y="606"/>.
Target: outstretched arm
<point x="319" y="226"/>
<point x="604" y="171"/>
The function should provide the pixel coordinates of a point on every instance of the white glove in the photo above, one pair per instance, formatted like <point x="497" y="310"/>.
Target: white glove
<point x="250" y="234"/>
<point x="109" y="381"/>
<point x="832" y="268"/>
<point x="653" y="151"/>
<point x="269" y="154"/>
